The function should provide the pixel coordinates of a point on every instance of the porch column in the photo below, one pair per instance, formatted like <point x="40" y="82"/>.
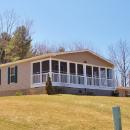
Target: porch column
<point x="85" y="77"/>
<point x="99" y="69"/>
<point x="106" y="75"/>
<point x="92" y="76"/>
<point x="113" y="78"/>
<point x="68" y="72"/>
<point x="59" y="71"/>
<point x="50" y="68"/>
<point x="76" y="73"/>
<point x="41" y="72"/>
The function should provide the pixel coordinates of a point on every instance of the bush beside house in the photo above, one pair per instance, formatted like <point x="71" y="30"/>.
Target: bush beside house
<point x="122" y="91"/>
<point x="49" y="88"/>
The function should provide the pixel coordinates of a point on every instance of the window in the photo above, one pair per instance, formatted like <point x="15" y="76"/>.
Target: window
<point x="12" y="74"/>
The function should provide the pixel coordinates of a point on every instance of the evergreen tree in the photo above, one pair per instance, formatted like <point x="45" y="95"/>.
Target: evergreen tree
<point x="4" y="41"/>
<point x="49" y="87"/>
<point x="20" y="45"/>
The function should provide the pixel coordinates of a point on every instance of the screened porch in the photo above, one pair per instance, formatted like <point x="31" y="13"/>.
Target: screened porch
<point x="71" y="74"/>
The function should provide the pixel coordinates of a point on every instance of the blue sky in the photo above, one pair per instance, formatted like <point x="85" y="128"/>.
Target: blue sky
<point x="98" y="22"/>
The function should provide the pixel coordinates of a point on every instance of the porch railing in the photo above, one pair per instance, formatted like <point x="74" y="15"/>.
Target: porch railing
<point x="36" y="78"/>
<point x="80" y="80"/>
<point x="63" y="78"/>
<point x="73" y="79"/>
<point x="44" y="77"/>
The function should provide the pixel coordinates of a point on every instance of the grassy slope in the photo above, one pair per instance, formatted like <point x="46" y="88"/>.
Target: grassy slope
<point x="61" y="112"/>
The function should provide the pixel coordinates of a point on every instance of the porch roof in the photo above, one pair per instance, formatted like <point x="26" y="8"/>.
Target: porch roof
<point x="48" y="55"/>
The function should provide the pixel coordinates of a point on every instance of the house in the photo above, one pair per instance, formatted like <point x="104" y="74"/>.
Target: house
<point x="76" y="72"/>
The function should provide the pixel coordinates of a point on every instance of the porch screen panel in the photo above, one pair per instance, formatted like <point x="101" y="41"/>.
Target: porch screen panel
<point x="63" y="67"/>
<point x="95" y="72"/>
<point x="55" y="66"/>
<point x="80" y="79"/>
<point x="0" y="76"/>
<point x="103" y="72"/>
<point x="72" y="73"/>
<point x="36" y="68"/>
<point x="96" y="76"/>
<point x="89" y="71"/>
<point x="72" y="68"/>
<point x="103" y="76"/>
<point x="109" y="73"/>
<point x="89" y="74"/>
<point x="80" y="69"/>
<point x="63" y="71"/>
<point x="45" y="66"/>
<point x="109" y="78"/>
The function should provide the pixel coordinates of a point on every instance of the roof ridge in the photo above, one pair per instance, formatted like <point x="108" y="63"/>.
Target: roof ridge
<point x="55" y="54"/>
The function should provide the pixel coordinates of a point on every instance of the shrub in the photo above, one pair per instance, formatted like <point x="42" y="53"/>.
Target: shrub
<point x="18" y="93"/>
<point x="49" y="87"/>
<point x="115" y="93"/>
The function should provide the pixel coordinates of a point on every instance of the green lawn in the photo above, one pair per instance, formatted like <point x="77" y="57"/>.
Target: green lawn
<point x="61" y="112"/>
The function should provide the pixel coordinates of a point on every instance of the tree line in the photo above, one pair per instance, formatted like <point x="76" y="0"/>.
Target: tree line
<point x="16" y="44"/>
<point x="15" y="38"/>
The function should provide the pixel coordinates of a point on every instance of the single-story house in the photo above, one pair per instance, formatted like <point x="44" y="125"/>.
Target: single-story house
<point x="75" y="72"/>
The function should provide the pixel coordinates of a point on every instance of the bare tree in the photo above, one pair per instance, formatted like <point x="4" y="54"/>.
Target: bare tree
<point x="83" y="45"/>
<point x="41" y="48"/>
<point x="44" y="47"/>
<point x="120" y="55"/>
<point x="78" y="46"/>
<point x="8" y="21"/>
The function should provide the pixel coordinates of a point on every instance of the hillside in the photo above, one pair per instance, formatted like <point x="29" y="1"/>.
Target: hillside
<point x="61" y="112"/>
